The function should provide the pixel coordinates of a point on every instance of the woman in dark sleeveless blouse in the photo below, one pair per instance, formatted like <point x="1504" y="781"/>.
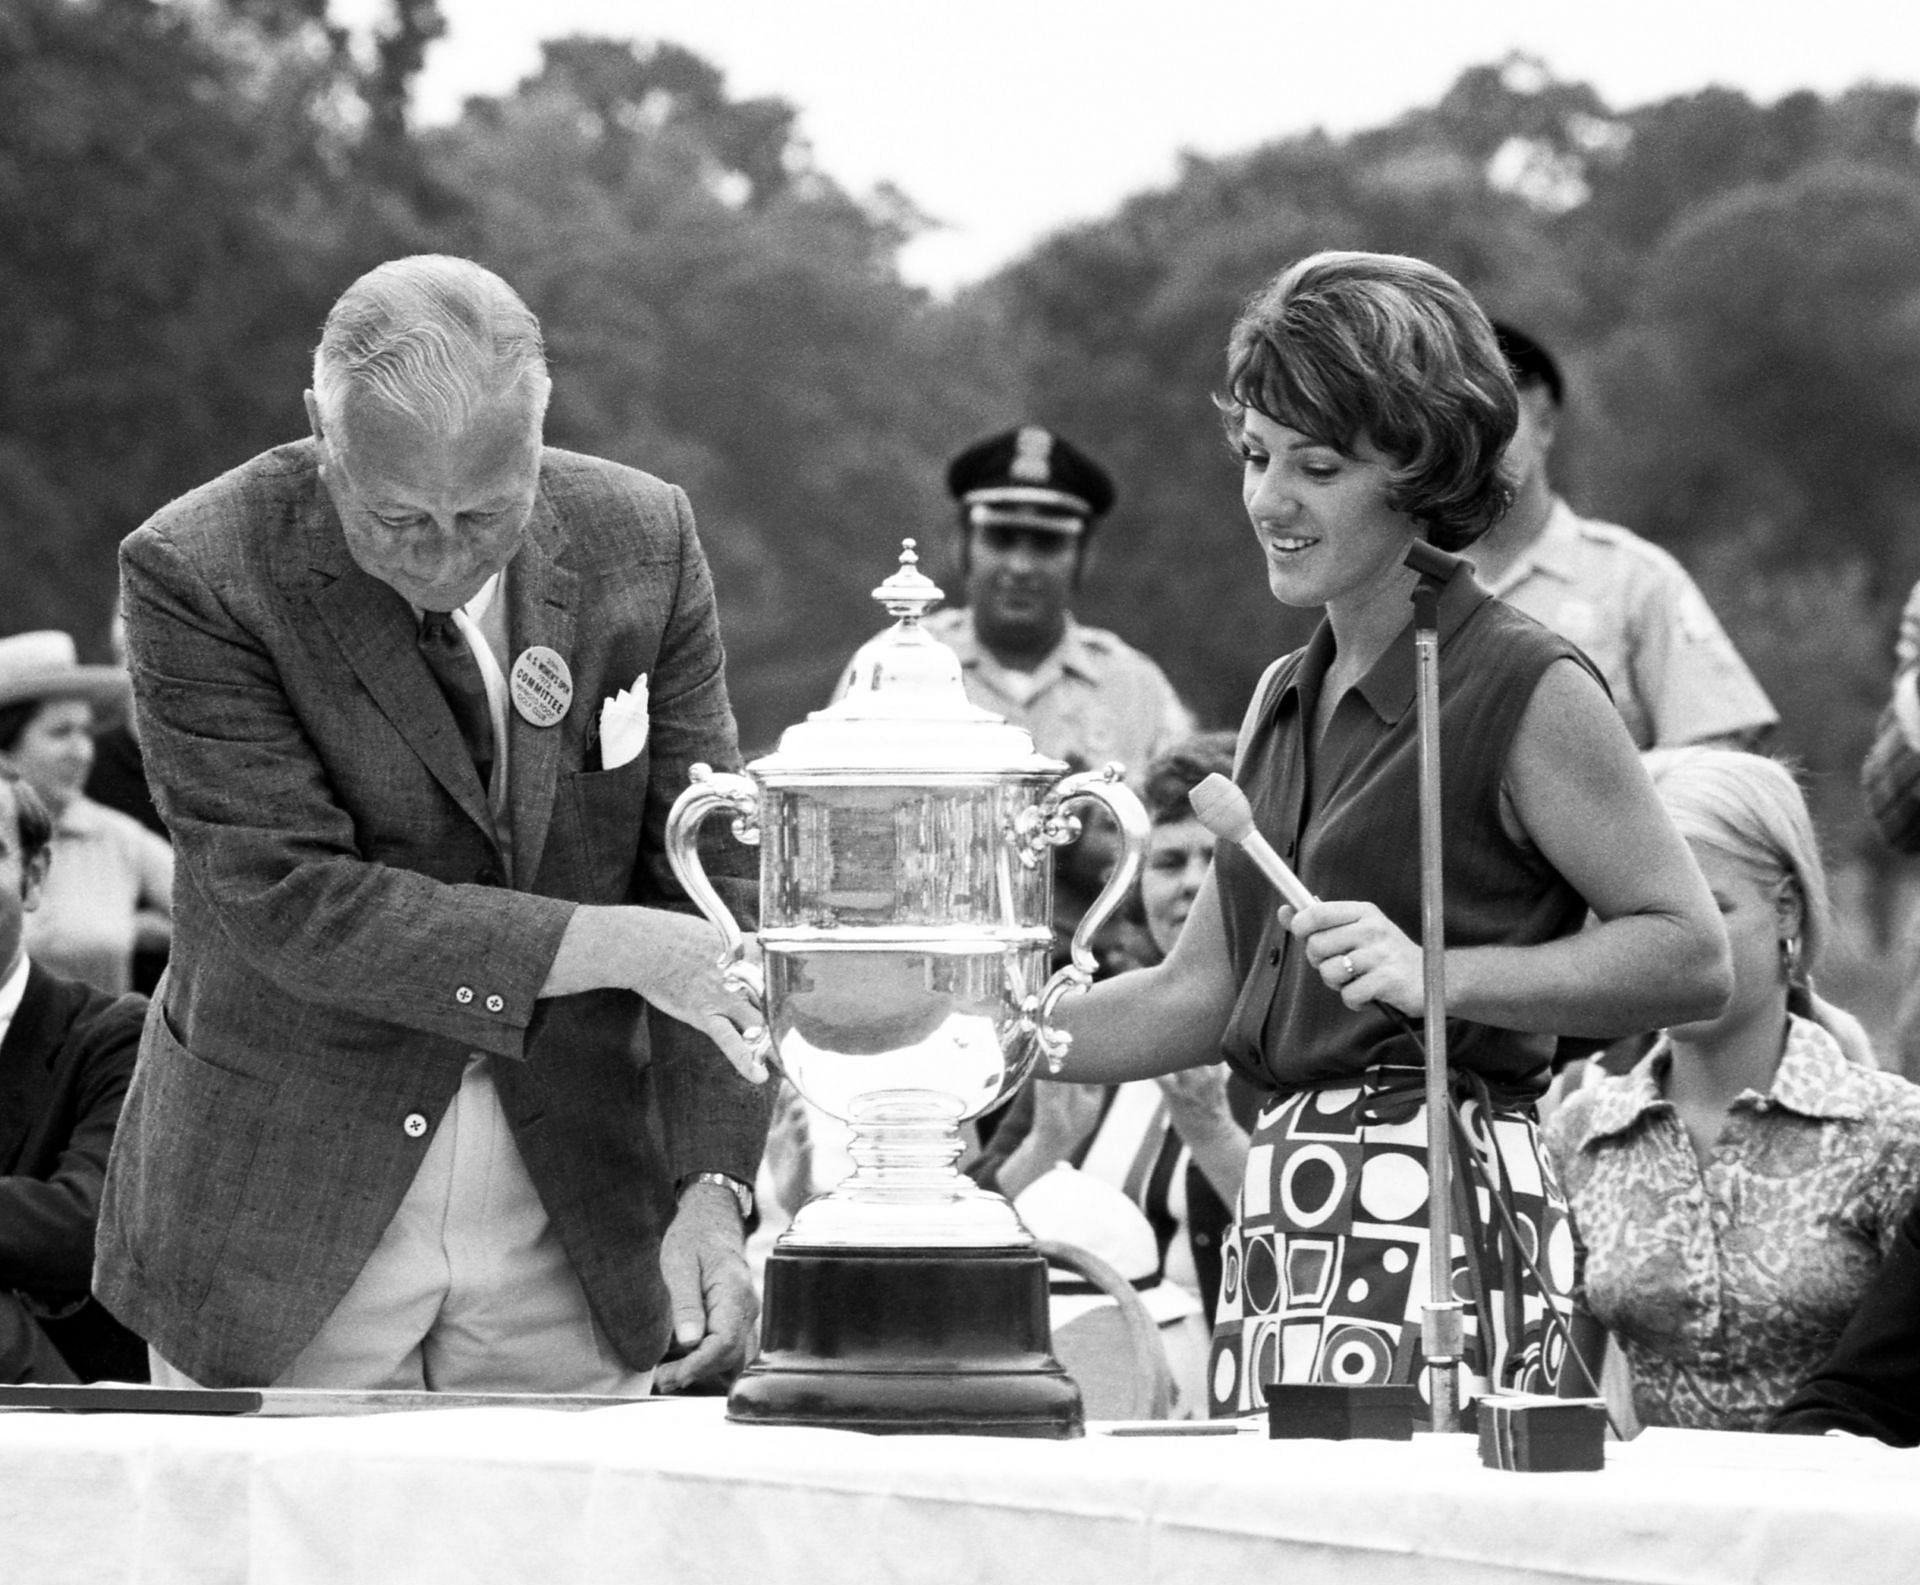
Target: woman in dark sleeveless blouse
<point x="1369" y="407"/>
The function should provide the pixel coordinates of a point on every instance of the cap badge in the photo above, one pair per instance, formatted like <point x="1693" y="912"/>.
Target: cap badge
<point x="1032" y="455"/>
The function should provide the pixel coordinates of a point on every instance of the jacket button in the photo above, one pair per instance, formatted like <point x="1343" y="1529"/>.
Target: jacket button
<point x="415" y="1125"/>
<point x="463" y="995"/>
<point x="495" y="1004"/>
<point x="1287" y="852"/>
<point x="1273" y="957"/>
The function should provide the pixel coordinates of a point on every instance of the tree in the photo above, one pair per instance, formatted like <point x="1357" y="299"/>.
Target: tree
<point x="181" y="196"/>
<point x="1755" y="412"/>
<point x="721" y="315"/>
<point x="1120" y="328"/>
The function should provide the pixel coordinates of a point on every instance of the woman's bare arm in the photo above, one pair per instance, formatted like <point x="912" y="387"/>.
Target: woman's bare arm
<point x="1147" y="1022"/>
<point x="1655" y="956"/>
<point x="1656" y="953"/>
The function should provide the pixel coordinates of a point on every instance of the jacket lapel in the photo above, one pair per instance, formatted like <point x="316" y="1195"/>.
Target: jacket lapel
<point x="25" y="1073"/>
<point x="541" y="603"/>
<point x="374" y="627"/>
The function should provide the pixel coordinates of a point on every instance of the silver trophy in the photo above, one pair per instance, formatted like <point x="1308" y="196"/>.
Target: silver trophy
<point x="906" y="931"/>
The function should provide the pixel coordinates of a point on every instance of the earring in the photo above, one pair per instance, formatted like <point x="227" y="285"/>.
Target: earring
<point x="1790" y="958"/>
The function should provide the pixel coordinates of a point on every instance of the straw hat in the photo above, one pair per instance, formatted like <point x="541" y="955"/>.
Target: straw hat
<point x="45" y="665"/>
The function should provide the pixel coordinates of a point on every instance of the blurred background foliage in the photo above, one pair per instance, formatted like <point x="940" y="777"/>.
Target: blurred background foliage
<point x="1734" y="287"/>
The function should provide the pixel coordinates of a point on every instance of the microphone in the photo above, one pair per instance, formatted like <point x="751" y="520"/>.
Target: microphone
<point x="1223" y="809"/>
<point x="1430" y="561"/>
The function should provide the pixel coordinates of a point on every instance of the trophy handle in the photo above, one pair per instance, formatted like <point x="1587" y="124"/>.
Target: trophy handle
<point x="1045" y="824"/>
<point x="709" y="790"/>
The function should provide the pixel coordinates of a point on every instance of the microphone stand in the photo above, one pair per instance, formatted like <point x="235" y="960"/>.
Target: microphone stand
<point x="1442" y="1335"/>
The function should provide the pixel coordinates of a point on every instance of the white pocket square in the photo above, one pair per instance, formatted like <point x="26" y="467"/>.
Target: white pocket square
<point x="623" y="725"/>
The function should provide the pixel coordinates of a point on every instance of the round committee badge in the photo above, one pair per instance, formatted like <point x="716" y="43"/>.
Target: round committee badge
<point x="542" y="686"/>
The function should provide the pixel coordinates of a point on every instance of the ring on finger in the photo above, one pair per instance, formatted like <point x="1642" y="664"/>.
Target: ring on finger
<point x="1347" y="969"/>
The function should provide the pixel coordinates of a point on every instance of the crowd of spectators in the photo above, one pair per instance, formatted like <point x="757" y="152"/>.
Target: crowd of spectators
<point x="1725" y="1201"/>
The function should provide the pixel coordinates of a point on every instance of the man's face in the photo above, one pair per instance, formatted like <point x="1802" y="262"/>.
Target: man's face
<point x="19" y="881"/>
<point x="1533" y="439"/>
<point x="431" y="515"/>
<point x="1018" y="581"/>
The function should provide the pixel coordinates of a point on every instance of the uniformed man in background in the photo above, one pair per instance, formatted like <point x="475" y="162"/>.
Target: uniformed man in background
<point x="1675" y="675"/>
<point x="1029" y="502"/>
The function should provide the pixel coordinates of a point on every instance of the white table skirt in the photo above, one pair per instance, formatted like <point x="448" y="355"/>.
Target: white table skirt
<point x="666" y="1491"/>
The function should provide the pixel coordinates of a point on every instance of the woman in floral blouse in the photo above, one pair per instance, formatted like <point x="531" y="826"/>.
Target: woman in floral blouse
<point x="1734" y="1195"/>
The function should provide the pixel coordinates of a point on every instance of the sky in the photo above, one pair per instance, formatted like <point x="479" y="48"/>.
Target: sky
<point x="1008" y="119"/>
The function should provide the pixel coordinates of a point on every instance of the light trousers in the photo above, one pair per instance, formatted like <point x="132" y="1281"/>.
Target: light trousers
<point x="469" y="1290"/>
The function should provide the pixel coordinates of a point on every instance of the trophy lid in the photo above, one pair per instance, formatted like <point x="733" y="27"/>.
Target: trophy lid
<point x="905" y="708"/>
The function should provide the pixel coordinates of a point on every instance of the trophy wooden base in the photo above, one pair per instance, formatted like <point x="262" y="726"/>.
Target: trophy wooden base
<point x="908" y="1341"/>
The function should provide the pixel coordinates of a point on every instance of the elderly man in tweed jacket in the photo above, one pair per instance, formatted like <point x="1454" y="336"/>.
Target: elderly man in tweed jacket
<point x="437" y="1091"/>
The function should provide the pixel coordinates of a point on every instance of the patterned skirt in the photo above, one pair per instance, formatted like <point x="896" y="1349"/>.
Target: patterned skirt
<point x="1325" y="1270"/>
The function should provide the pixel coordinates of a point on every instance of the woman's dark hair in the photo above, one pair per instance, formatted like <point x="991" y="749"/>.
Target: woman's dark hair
<point x="14" y="719"/>
<point x="1389" y="350"/>
<point x="34" y="824"/>
<point x="1174" y="774"/>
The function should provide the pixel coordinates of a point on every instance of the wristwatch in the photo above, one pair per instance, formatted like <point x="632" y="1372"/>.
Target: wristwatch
<point x="742" y="1194"/>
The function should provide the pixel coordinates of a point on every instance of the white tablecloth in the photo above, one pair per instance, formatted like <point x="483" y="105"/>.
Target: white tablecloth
<point x="667" y="1491"/>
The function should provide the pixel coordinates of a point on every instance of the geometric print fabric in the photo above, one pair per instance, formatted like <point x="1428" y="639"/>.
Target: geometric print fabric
<point x="1325" y="1270"/>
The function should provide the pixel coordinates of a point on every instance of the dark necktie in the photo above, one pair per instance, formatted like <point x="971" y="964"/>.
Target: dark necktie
<point x="449" y="657"/>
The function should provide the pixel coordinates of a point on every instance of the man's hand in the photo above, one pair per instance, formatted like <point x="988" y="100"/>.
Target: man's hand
<point x="673" y="960"/>
<point x="715" y="1309"/>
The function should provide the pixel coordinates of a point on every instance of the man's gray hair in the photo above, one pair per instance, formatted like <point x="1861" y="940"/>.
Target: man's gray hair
<point x="434" y="337"/>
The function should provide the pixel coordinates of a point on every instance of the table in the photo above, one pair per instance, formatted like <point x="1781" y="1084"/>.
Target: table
<point x="666" y="1491"/>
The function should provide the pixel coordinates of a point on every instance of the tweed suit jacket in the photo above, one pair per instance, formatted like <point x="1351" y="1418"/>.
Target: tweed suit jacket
<point x="347" y="935"/>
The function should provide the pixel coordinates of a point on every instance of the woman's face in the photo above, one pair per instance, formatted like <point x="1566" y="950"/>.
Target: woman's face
<point x="1757" y="920"/>
<point x="55" y="751"/>
<point x="1321" y="517"/>
<point x="1178" y="853"/>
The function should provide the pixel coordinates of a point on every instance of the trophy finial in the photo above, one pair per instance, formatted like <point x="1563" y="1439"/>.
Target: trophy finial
<point x="909" y="593"/>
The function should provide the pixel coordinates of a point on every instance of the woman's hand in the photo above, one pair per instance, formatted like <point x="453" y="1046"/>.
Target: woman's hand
<point x="1197" y="1101"/>
<point x="790" y="1150"/>
<point x="1064" y="1117"/>
<point x="1361" y="954"/>
<point x="1198" y="1109"/>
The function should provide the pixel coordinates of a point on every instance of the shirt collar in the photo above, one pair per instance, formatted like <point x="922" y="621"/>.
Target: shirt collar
<point x="1814" y="1079"/>
<point x="1071" y="654"/>
<point x="474" y="610"/>
<point x="1618" y="1106"/>
<point x="1554" y="552"/>
<point x="1389" y="686"/>
<point x="11" y="992"/>
<point x="81" y="817"/>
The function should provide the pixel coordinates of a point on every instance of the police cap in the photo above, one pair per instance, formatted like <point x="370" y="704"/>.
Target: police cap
<point x="1528" y="361"/>
<point x="1029" y="477"/>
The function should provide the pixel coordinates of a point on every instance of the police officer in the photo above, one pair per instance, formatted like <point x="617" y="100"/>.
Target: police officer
<point x="1675" y="674"/>
<point x="1029" y="501"/>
